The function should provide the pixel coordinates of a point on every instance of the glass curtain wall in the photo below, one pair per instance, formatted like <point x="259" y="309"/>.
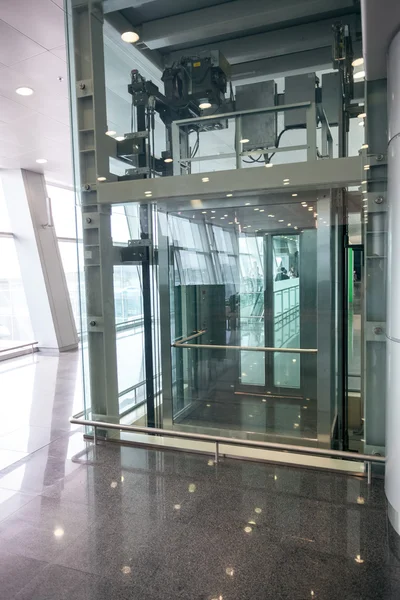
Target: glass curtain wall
<point x="15" y="323"/>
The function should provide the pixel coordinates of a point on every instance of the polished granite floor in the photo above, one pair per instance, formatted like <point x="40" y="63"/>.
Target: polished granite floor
<point x="119" y="523"/>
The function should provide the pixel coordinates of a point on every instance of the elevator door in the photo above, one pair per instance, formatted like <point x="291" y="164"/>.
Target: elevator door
<point x="252" y="318"/>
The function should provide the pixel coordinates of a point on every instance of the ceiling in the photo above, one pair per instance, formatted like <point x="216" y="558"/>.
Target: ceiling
<point x="258" y="32"/>
<point x="32" y="53"/>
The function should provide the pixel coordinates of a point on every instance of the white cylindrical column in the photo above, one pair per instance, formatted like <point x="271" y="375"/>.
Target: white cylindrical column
<point x="392" y="479"/>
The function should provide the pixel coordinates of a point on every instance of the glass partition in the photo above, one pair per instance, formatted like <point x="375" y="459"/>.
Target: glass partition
<point x="249" y="297"/>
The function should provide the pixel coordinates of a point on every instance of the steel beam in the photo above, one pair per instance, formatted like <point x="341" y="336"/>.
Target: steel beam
<point x="272" y="43"/>
<point x="324" y="173"/>
<point x="85" y="39"/>
<point x="238" y="16"/>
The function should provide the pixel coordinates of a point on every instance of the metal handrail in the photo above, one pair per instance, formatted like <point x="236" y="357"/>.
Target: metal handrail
<point x="183" y="344"/>
<point x="8" y="349"/>
<point x="217" y="440"/>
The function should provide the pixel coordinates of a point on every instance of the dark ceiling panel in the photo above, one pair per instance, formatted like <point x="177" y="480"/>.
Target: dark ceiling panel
<point x="142" y="11"/>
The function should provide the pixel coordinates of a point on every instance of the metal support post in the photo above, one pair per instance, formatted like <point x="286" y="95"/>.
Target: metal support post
<point x="238" y="137"/>
<point x="216" y="453"/>
<point x="95" y="435"/>
<point x="311" y="122"/>
<point x="369" y="472"/>
<point x="374" y="228"/>
<point x="145" y="222"/>
<point x="92" y="150"/>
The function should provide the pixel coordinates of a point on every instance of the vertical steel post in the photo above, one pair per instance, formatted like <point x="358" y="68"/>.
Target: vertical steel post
<point x="311" y="123"/>
<point x="92" y="149"/>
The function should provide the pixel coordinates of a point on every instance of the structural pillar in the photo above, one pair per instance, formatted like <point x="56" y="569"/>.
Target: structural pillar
<point x="39" y="259"/>
<point x="392" y="477"/>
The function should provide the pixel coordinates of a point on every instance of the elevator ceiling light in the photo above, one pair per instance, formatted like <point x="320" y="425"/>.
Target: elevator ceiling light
<point x="130" y="37"/>
<point x="58" y="532"/>
<point x="244" y="140"/>
<point x="358" y="62"/>
<point x="359" y="75"/>
<point x="362" y="115"/>
<point x="24" y="91"/>
<point x="168" y="160"/>
<point x="102" y="179"/>
<point x="41" y="161"/>
<point x="204" y="104"/>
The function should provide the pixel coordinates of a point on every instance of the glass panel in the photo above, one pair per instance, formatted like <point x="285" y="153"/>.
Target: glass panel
<point x="235" y="288"/>
<point x="15" y="321"/>
<point x="286" y="309"/>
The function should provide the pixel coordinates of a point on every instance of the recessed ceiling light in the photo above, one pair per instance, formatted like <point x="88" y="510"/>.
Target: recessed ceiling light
<point x="295" y="227"/>
<point x="204" y="212"/>
<point x="222" y="218"/>
<point x="358" y="62"/>
<point x="120" y="138"/>
<point x="310" y="208"/>
<point x="41" y="161"/>
<point x="230" y="222"/>
<point x="244" y="140"/>
<point x="294" y="195"/>
<point x="205" y="179"/>
<point x="24" y="91"/>
<point x="361" y="116"/>
<point x="280" y="221"/>
<point x="286" y="183"/>
<point x="364" y="181"/>
<point x="229" y="195"/>
<point x="256" y="209"/>
<point x="364" y="146"/>
<point x="269" y="165"/>
<point x="168" y="160"/>
<point x="111" y="133"/>
<point x="213" y="211"/>
<point x="247" y="204"/>
<point x="213" y="217"/>
<point x="289" y="224"/>
<point x="261" y="210"/>
<point x="102" y="179"/>
<point x="130" y="37"/>
<point x="286" y="180"/>
<point x="204" y="104"/>
<point x="271" y="216"/>
<point x="359" y="75"/>
<point x="361" y="124"/>
<point x="366" y="167"/>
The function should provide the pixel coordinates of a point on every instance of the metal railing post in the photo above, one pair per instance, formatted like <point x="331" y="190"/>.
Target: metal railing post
<point x="369" y="473"/>
<point x="216" y="453"/>
<point x="95" y="435"/>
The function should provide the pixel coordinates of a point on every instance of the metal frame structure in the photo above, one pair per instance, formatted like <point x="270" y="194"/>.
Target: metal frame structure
<point x="97" y="197"/>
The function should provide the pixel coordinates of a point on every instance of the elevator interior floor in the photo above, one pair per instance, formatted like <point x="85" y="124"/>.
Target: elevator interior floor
<point x="116" y="523"/>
